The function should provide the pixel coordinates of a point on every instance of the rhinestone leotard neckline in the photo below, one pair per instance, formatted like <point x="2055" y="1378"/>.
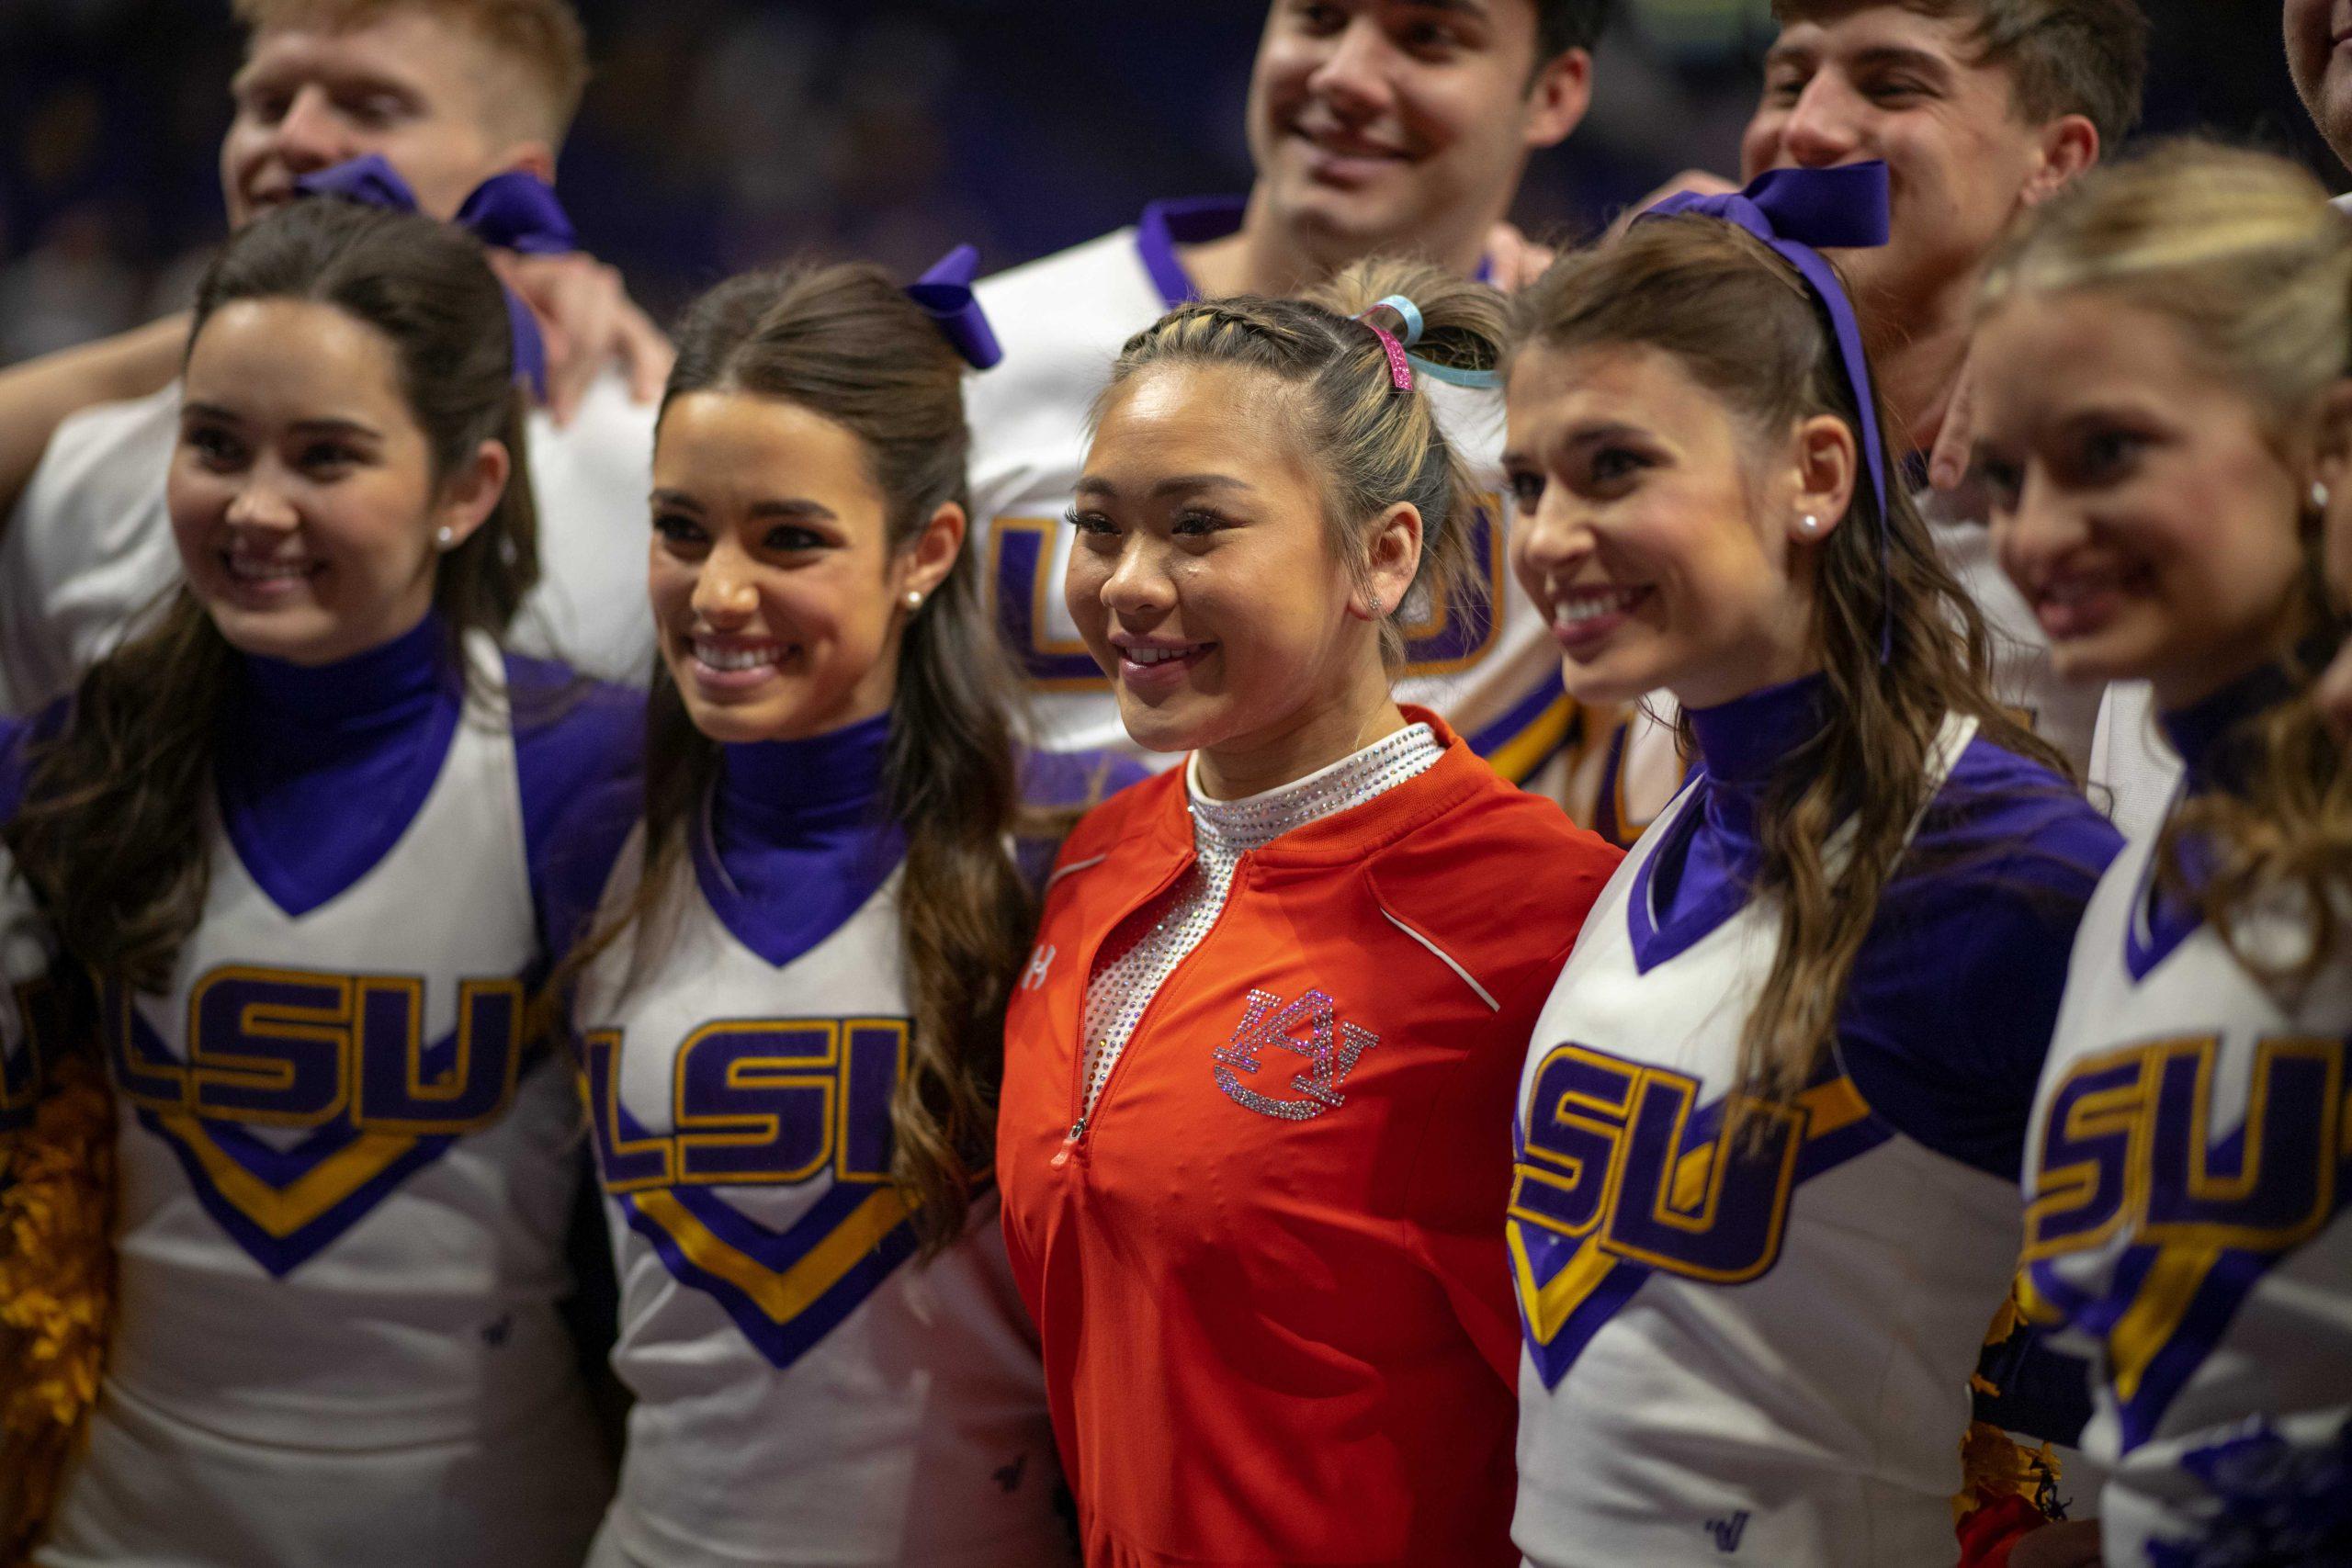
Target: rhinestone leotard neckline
<point x="1223" y="832"/>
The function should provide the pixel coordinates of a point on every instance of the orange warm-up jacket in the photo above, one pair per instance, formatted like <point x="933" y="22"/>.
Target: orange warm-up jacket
<point x="1284" y="1333"/>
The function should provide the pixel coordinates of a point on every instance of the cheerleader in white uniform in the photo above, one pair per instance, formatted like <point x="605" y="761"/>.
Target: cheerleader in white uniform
<point x="1771" y="1120"/>
<point x="298" y="831"/>
<point x="790" y="1002"/>
<point x="2167" y="417"/>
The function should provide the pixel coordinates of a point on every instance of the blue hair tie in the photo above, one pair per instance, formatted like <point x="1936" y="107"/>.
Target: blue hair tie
<point x="1410" y="314"/>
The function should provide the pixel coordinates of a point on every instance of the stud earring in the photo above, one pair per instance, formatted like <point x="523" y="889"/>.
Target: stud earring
<point x="1809" y="526"/>
<point x="2319" y="496"/>
<point x="914" y="599"/>
<point x="446" y="537"/>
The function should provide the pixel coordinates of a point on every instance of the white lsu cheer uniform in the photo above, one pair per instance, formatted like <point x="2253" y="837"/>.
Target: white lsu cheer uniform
<point x="806" y="1392"/>
<point x="2189" y="1164"/>
<point x="89" y="546"/>
<point x="1487" y="664"/>
<point x="1764" y="1355"/>
<point x="345" y="1178"/>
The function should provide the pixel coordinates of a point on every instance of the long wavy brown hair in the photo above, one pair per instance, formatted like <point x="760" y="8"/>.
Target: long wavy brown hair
<point x="110" y="835"/>
<point x="1742" y="322"/>
<point x="2244" y="253"/>
<point x="844" y="341"/>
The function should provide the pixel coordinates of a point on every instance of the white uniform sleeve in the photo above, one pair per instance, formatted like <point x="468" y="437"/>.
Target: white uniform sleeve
<point x="592" y="479"/>
<point x="88" y="547"/>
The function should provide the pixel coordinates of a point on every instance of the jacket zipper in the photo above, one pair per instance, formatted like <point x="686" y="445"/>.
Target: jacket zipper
<point x="1077" y="1129"/>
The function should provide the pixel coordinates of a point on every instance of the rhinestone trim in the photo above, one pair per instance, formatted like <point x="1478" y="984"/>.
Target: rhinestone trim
<point x="1126" y="977"/>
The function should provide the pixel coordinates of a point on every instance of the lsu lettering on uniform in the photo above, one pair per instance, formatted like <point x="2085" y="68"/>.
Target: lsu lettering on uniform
<point x="89" y="546"/>
<point x="346" y="1175"/>
<point x="2190" y="1164"/>
<point x="1486" y="661"/>
<point x="807" y="1392"/>
<point x="1760" y="1351"/>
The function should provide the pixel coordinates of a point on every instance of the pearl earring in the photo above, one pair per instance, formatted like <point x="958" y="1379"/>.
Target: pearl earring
<point x="2319" y="496"/>
<point x="1809" y="526"/>
<point x="914" y="599"/>
<point x="446" y="537"/>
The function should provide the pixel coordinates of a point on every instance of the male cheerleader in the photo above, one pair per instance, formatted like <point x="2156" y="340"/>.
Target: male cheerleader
<point x="449" y="92"/>
<point x="1376" y="126"/>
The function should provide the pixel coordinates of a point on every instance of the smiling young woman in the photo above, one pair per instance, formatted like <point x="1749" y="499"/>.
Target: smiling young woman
<point x="1257" y="1068"/>
<point x="2167" y="422"/>
<point x="1824" y="977"/>
<point x="297" y="828"/>
<point x="790" y="996"/>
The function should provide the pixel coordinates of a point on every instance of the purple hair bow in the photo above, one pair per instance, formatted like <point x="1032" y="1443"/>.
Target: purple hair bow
<point x="515" y="211"/>
<point x="1794" y="210"/>
<point x="944" y="294"/>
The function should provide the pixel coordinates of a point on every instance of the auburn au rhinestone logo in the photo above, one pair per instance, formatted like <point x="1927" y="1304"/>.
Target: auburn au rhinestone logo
<point x="1307" y="1027"/>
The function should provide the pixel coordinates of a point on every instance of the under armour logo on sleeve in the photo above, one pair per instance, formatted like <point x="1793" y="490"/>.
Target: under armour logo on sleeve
<point x="1040" y="961"/>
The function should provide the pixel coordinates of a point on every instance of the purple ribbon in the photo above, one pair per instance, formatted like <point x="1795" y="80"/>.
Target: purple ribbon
<point x="1794" y="210"/>
<point x="944" y="294"/>
<point x="515" y="211"/>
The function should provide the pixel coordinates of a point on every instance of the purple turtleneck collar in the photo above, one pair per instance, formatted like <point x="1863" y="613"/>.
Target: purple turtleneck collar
<point x="1700" y="874"/>
<point x="2201" y="732"/>
<point x="788" y="784"/>
<point x="2209" y="736"/>
<point x="320" y="768"/>
<point x="368" y="691"/>
<point x="1740" y="742"/>
<point x="800" y="837"/>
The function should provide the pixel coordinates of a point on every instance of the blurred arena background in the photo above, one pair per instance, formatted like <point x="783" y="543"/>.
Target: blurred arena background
<point x="722" y="133"/>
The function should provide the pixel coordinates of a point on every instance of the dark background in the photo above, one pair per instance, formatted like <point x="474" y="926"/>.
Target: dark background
<point x="721" y="133"/>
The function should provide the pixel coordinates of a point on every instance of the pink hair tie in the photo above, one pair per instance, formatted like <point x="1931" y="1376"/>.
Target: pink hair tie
<point x="1401" y="373"/>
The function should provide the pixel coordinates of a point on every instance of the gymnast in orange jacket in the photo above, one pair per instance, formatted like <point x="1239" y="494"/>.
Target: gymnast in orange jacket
<point x="1255" y="1136"/>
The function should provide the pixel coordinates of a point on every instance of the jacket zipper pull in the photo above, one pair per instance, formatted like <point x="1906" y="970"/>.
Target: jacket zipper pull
<point x="1070" y="1142"/>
